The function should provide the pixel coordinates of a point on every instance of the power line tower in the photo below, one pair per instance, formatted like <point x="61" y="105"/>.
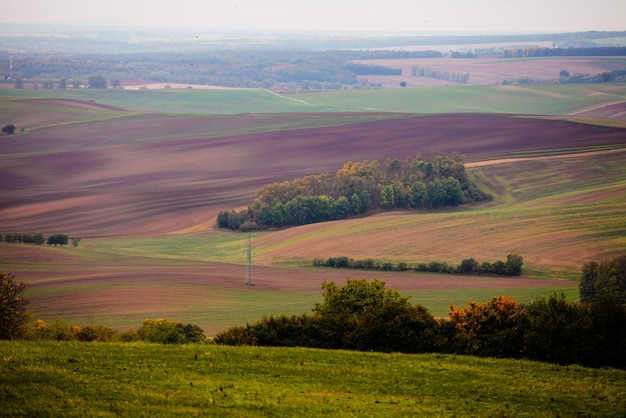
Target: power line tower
<point x="249" y="281"/>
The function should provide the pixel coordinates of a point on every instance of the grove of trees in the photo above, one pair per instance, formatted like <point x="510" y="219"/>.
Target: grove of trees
<point x="357" y="188"/>
<point x="39" y="239"/>
<point x="511" y="267"/>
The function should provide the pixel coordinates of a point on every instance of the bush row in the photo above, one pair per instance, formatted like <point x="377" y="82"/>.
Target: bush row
<point x="161" y="331"/>
<point x="366" y="316"/>
<point x="511" y="267"/>
<point x="39" y="239"/>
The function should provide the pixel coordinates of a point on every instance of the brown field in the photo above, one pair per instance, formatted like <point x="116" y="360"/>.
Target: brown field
<point x="610" y="111"/>
<point x="493" y="70"/>
<point x="153" y="175"/>
<point x="90" y="180"/>
<point x="80" y="287"/>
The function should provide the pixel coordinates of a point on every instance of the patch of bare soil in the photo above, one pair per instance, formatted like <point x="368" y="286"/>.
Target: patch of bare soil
<point x="495" y="70"/>
<point x="93" y="180"/>
<point x="610" y="111"/>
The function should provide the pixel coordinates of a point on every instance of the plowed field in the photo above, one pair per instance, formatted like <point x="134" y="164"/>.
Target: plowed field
<point x="153" y="175"/>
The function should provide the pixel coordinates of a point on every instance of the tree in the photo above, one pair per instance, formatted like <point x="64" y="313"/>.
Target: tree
<point x="564" y="73"/>
<point x="58" y="239"/>
<point x="419" y="194"/>
<point x="365" y="315"/>
<point x="469" y="266"/>
<point x="341" y="208"/>
<point x="491" y="328"/>
<point x="606" y="279"/>
<point x="355" y="204"/>
<point x="13" y="314"/>
<point x="555" y="331"/>
<point x="8" y="129"/>
<point x="115" y="83"/>
<point x="513" y="265"/>
<point x="97" y="82"/>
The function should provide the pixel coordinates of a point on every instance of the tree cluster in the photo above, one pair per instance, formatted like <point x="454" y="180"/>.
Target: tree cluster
<point x="36" y="238"/>
<point x="366" y="316"/>
<point x="566" y="78"/>
<point x="355" y="189"/>
<point x="8" y="129"/>
<point x="595" y="51"/>
<point x="161" y="331"/>
<point x="39" y="239"/>
<point x="417" y="71"/>
<point x="511" y="267"/>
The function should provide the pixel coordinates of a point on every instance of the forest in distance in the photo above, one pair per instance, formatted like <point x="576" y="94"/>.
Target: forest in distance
<point x="283" y="63"/>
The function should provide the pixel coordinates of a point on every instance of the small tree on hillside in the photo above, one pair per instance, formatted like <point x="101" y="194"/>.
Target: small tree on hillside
<point x="8" y="129"/>
<point x="13" y="314"/>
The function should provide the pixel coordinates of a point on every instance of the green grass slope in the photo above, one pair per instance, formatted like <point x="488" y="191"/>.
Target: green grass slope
<point x="102" y="379"/>
<point x="538" y="100"/>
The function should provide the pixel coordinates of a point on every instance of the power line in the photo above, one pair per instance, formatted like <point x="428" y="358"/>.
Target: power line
<point x="249" y="280"/>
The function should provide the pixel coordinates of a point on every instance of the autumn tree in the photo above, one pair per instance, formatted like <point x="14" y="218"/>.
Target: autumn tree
<point x="13" y="314"/>
<point x="491" y="328"/>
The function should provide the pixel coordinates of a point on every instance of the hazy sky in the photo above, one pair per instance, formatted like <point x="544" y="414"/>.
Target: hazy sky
<point x="335" y="15"/>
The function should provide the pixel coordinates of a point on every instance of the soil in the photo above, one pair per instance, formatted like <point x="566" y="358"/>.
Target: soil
<point x="88" y="180"/>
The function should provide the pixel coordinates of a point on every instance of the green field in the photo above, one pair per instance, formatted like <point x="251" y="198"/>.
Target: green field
<point x="537" y="100"/>
<point x="109" y="379"/>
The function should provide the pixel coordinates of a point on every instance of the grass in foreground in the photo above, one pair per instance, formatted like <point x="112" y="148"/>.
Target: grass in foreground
<point x="102" y="379"/>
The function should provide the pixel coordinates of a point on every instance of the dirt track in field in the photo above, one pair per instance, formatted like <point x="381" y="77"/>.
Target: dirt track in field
<point x="93" y="180"/>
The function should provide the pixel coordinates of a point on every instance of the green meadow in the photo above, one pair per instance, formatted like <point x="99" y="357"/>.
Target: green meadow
<point x="71" y="379"/>
<point x="546" y="100"/>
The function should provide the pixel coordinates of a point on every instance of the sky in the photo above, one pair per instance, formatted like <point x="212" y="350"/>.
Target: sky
<point x="456" y="16"/>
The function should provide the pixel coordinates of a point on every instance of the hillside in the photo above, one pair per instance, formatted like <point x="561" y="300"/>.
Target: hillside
<point x="106" y="379"/>
<point x="154" y="174"/>
<point x="143" y="190"/>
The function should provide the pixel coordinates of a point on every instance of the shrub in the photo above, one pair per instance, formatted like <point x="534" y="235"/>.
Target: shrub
<point x="492" y="328"/>
<point x="164" y="331"/>
<point x="13" y="314"/>
<point x="93" y="332"/>
<point x="606" y="279"/>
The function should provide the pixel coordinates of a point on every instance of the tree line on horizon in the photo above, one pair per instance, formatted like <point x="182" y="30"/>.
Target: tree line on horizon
<point x="355" y="189"/>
